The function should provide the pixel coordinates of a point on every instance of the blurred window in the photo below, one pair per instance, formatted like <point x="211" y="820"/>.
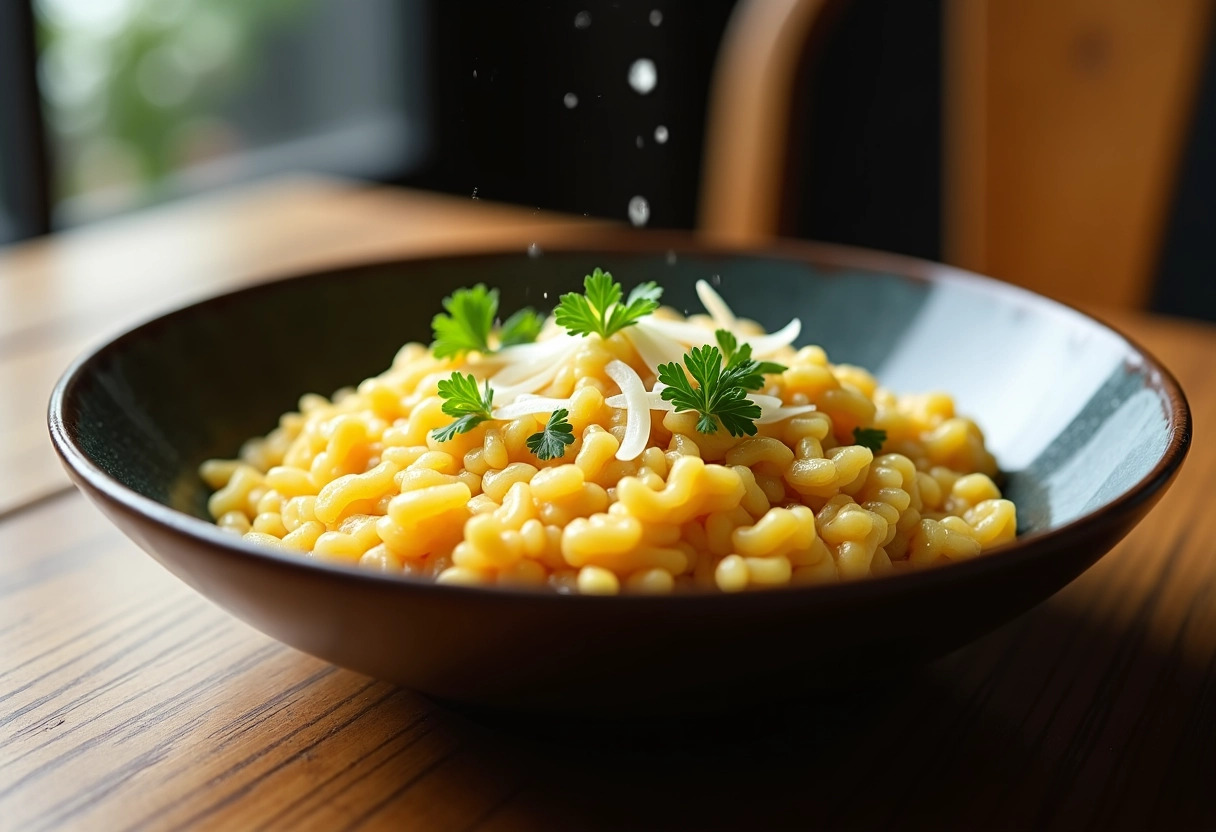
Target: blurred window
<point x="149" y="99"/>
<point x="7" y="229"/>
<point x="23" y="201"/>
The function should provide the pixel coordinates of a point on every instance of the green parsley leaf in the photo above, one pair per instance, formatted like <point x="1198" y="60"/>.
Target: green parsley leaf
<point x="602" y="291"/>
<point x="521" y="328"/>
<point x="599" y="309"/>
<point x="769" y="368"/>
<point x="551" y="442"/>
<point x="470" y="318"/>
<point x="872" y="438"/>
<point x="463" y="399"/>
<point x="467" y="324"/>
<point x="739" y="356"/>
<point x="727" y="343"/>
<point x="719" y="397"/>
<point x="462" y="425"/>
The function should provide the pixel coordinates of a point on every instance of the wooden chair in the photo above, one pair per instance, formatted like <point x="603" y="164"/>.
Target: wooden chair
<point x="749" y="116"/>
<point x="1065" y="121"/>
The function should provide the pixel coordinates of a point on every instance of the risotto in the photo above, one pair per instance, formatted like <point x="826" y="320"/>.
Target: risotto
<point x="616" y="446"/>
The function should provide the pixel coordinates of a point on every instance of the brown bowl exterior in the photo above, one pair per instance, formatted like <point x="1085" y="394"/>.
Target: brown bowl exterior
<point x="597" y="656"/>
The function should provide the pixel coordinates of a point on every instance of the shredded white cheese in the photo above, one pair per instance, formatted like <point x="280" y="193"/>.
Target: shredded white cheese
<point x="526" y="405"/>
<point x="764" y="345"/>
<point x="716" y="306"/>
<point x="686" y="334"/>
<point x="523" y="354"/>
<point x="772" y="409"/>
<point x="654" y="347"/>
<point x="516" y="373"/>
<point x="507" y="393"/>
<point x="776" y="414"/>
<point x="637" y="409"/>
<point x="654" y="400"/>
<point x="694" y="335"/>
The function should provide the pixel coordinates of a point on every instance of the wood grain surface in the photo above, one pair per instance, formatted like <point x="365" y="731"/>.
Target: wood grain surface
<point x="127" y="701"/>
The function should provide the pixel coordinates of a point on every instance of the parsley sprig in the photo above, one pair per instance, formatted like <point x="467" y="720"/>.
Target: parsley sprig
<point x="872" y="438"/>
<point x="720" y="395"/>
<point x="463" y="399"/>
<point x="521" y="328"/>
<point x="467" y="324"/>
<point x="599" y="309"/>
<point x="551" y="442"/>
<point x="469" y="320"/>
<point x="736" y="355"/>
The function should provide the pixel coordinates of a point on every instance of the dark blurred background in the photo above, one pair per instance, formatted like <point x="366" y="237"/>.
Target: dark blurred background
<point x="592" y="107"/>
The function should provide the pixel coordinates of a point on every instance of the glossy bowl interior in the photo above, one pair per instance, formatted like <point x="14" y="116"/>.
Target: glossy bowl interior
<point x="1088" y="429"/>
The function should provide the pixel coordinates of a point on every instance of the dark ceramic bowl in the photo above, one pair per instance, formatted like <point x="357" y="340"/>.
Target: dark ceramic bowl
<point x="1089" y="429"/>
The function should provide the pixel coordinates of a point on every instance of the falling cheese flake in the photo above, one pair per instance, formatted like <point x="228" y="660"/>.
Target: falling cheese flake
<point x="639" y="211"/>
<point x="643" y="76"/>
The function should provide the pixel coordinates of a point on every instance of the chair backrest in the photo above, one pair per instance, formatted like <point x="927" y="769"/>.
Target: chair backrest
<point x="749" y="113"/>
<point x="1065" y="122"/>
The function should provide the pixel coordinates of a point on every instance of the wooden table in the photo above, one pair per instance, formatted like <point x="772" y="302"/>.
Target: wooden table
<point x="130" y="701"/>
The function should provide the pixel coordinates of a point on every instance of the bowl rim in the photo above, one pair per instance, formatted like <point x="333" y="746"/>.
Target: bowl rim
<point x="826" y="256"/>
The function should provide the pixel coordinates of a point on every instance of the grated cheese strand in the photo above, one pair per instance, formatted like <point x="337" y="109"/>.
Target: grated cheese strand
<point x="776" y="414"/>
<point x="528" y="405"/>
<point x="716" y="306"/>
<point x="521" y="360"/>
<point x="689" y="335"/>
<point x="695" y="335"/>
<point x="654" y="399"/>
<point x="520" y="363"/>
<point x="653" y="346"/>
<point x="509" y="393"/>
<point x="637" y="409"/>
<point x="765" y="345"/>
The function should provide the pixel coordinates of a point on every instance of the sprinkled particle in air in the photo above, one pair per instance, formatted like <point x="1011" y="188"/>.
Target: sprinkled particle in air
<point x="570" y="100"/>
<point x="582" y="20"/>
<point x="639" y="211"/>
<point x="660" y="134"/>
<point x="534" y="251"/>
<point x="475" y="196"/>
<point x="643" y="75"/>
<point x="639" y="141"/>
<point x="656" y="17"/>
